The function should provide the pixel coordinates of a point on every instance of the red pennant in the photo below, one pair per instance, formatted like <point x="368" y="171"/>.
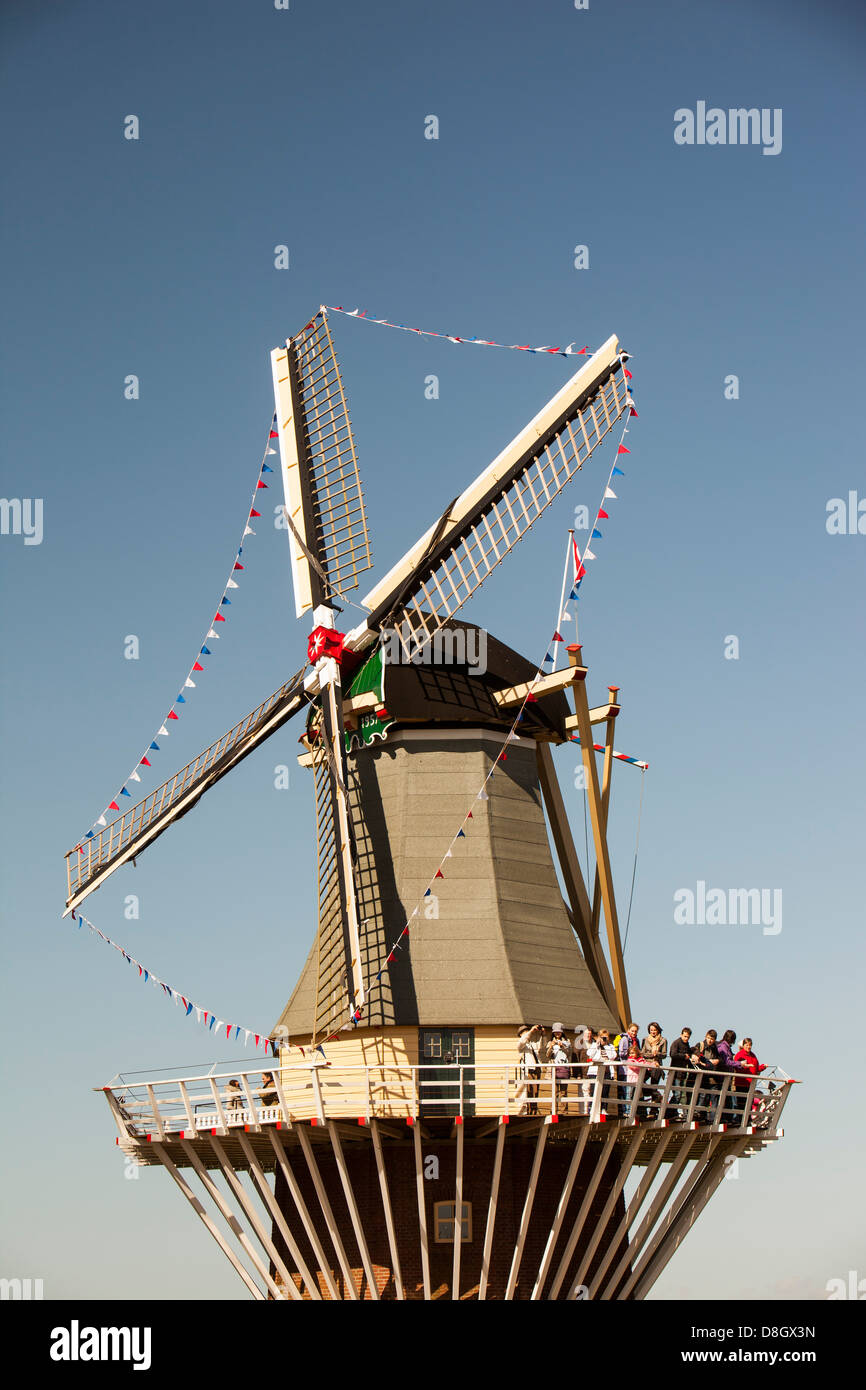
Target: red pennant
<point x="257" y="1039"/>
<point x="627" y="372"/>
<point x="228" y="1029"/>
<point x="558" y="637"/>
<point x="633" y="412"/>
<point x="404" y="932"/>
<point x="623" y="450"/>
<point x="218" y="618"/>
<point x="273" y="435"/>
<point x="439" y="873"/>
<point x="530" y="699"/>
<point x="584" y="350"/>
<point x="469" y="816"/>
<point x="237" y="566"/>
<point x="391" y="958"/>
<point x="205" y="1015"/>
<point x="171" y="714"/>
<point x="603" y="515"/>
<point x="198" y="666"/>
<point x="260" y="484"/>
<point x="144" y="763"/>
<point x="503" y="757"/>
<point x="113" y="806"/>
<point x="253" y="512"/>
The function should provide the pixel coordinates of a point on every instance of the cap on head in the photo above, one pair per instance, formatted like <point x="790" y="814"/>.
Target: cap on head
<point x="557" y="1028"/>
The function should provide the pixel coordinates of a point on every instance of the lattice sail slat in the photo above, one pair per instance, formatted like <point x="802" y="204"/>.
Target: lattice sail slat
<point x="88" y="865"/>
<point x="484" y="524"/>
<point x="319" y="465"/>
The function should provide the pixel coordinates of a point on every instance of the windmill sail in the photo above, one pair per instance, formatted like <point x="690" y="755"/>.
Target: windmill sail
<point x="446" y="566"/>
<point x="329" y="541"/>
<point x="94" y="860"/>
<point x="339" y="978"/>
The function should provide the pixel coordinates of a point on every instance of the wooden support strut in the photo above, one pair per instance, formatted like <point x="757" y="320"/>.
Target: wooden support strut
<point x="572" y="876"/>
<point x="599" y="835"/>
<point x="613" y="711"/>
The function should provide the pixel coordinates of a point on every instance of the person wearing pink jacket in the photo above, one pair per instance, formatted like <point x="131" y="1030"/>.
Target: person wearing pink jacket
<point x="748" y="1064"/>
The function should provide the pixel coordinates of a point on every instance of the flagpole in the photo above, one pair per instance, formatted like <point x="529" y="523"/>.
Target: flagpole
<point x="557" y="645"/>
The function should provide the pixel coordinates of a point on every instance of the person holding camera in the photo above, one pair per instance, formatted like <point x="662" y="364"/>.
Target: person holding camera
<point x="529" y="1039"/>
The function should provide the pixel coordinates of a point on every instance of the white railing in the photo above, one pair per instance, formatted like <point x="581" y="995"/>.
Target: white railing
<point x="237" y="1097"/>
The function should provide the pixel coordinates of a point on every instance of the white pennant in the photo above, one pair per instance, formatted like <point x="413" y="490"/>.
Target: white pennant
<point x="248" y="531"/>
<point x="231" y="584"/>
<point x="588" y="555"/>
<point x="609" y="492"/>
<point x="247" y="1037"/>
<point x="188" y="684"/>
<point x="134" y="777"/>
<point x="214" y="635"/>
<point x="163" y="731"/>
<point x="272" y="451"/>
<point x="101" y="820"/>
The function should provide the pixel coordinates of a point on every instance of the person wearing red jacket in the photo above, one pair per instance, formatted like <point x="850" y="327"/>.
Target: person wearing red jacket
<point x="750" y="1065"/>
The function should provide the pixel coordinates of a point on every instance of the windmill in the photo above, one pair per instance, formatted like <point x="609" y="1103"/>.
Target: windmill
<point x="384" y="1124"/>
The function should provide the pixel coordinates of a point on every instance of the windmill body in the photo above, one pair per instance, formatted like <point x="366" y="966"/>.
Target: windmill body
<point x="398" y="1150"/>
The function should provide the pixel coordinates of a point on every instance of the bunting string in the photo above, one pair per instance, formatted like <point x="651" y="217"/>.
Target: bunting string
<point x="511" y="737"/>
<point x="570" y="351"/>
<point x="203" y="1016"/>
<point x="204" y="651"/>
<point x="595" y="533"/>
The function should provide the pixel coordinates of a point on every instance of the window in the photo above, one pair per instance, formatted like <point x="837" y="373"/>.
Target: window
<point x="443" y="1221"/>
<point x="461" y="1046"/>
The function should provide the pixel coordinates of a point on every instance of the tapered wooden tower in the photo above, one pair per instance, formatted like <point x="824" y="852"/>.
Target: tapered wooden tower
<point x="397" y="1150"/>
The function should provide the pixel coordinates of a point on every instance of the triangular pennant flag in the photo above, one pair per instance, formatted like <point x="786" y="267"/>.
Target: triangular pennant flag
<point x="134" y="777"/>
<point x="619" y="471"/>
<point x="101" y="821"/>
<point x="588" y="555"/>
<point x="212" y="1020"/>
<point x="113" y="806"/>
<point x="248" y="531"/>
<point x="448" y="854"/>
<point x="218" y="618"/>
<point x="270" y="451"/>
<point x="461" y="834"/>
<point x="228" y="1029"/>
<point x="145" y="762"/>
<point x="253" y="512"/>
<point x="163" y="730"/>
<point x="198" y="666"/>
<point x="557" y="637"/>
<point x="609" y="494"/>
<point x="531" y="699"/>
<point x="230" y="584"/>
<point x="548" y="657"/>
<point x="181" y="700"/>
<point x="596" y="534"/>
<point x="171" y="714"/>
<point x="603" y="515"/>
<point x="439" y="874"/>
<point x="225" y="600"/>
<point x="273" y="435"/>
<point x="189" y="684"/>
<point x="633" y="412"/>
<point x="89" y="835"/>
<point x="124" y="792"/>
<point x="205" y="652"/>
<point x="627" y="372"/>
<point x="426" y="892"/>
<point x="623" y="450"/>
<point x="238" y="566"/>
<point x="469" y="815"/>
<point x="482" y="796"/>
<point x="260" y="484"/>
<point x="503" y="757"/>
<point x="265" y="468"/>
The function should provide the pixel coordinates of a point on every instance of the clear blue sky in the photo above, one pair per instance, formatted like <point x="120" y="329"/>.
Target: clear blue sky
<point x="156" y="257"/>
